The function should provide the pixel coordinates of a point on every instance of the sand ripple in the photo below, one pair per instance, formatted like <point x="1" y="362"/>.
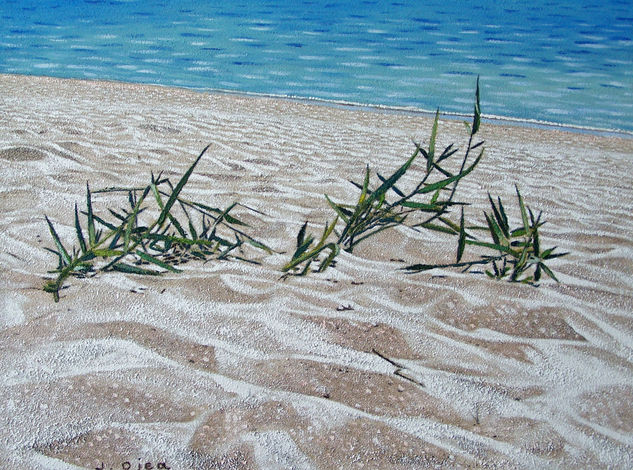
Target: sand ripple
<point x="226" y="366"/>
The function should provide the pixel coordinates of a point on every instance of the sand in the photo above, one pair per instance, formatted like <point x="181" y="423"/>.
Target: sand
<point x="226" y="366"/>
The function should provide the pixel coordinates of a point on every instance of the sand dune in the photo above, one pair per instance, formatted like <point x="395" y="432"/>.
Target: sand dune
<point x="226" y="366"/>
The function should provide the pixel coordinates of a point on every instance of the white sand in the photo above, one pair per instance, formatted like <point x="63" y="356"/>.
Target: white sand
<point x="225" y="366"/>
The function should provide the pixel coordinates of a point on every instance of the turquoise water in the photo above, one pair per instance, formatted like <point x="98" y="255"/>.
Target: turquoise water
<point x="568" y="61"/>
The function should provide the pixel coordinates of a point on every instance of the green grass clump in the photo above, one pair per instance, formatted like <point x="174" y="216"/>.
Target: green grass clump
<point x="136" y="244"/>
<point x="387" y="206"/>
<point x="518" y="254"/>
<point x="518" y="257"/>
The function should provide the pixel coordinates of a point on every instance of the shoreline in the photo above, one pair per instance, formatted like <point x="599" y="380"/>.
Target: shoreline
<point x="402" y="110"/>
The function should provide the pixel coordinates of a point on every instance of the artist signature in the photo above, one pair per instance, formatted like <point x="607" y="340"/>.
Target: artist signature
<point x="141" y="466"/>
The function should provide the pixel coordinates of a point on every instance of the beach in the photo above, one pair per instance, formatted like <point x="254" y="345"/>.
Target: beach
<point x="228" y="366"/>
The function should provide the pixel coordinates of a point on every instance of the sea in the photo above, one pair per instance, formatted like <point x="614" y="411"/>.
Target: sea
<point x="567" y="62"/>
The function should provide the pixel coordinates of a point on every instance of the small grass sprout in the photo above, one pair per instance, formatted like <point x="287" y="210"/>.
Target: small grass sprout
<point x="133" y="242"/>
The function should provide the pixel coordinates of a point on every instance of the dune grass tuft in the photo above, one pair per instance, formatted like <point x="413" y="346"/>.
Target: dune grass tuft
<point x="387" y="205"/>
<point x="131" y="242"/>
<point x="518" y="256"/>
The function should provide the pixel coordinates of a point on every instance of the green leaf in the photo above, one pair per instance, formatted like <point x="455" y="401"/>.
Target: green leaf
<point x="192" y="231"/>
<point x="328" y="230"/>
<point x="423" y="206"/>
<point x="340" y="211"/>
<point x="334" y="252"/>
<point x="80" y="235"/>
<point x="504" y="217"/>
<point x="524" y="216"/>
<point x="431" y="154"/>
<point x="363" y="193"/>
<point x="176" y="192"/>
<point x="303" y="243"/>
<point x="494" y="246"/>
<point x="548" y="271"/>
<point x="230" y="219"/>
<point x="130" y="269"/>
<point x="502" y="223"/>
<point x="157" y="262"/>
<point x="549" y="254"/>
<point x="132" y="219"/>
<point x="477" y="113"/>
<point x="443" y="183"/>
<point x="462" y="238"/>
<point x="259" y="245"/>
<point x="448" y="152"/>
<point x="223" y="216"/>
<point x="452" y="225"/>
<point x="302" y="233"/>
<point x="535" y="240"/>
<point x="414" y="268"/>
<point x="435" y="197"/>
<point x="391" y="181"/>
<point x="103" y="253"/>
<point x="394" y="188"/>
<point x="495" y="231"/>
<point x="420" y="267"/>
<point x="437" y="228"/>
<point x="62" y="251"/>
<point x="92" y="236"/>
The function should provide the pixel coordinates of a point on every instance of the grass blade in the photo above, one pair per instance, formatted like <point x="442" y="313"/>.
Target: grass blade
<point x="494" y="246"/>
<point x="328" y="230"/>
<point x="106" y="253"/>
<point x="477" y="113"/>
<point x="302" y="233"/>
<point x="334" y="252"/>
<point x="443" y="183"/>
<point x="338" y="209"/>
<point x="524" y="216"/>
<point x="132" y="219"/>
<point x="92" y="236"/>
<point x="391" y="181"/>
<point x="394" y="188"/>
<point x="431" y="154"/>
<point x="495" y="231"/>
<point x="548" y="271"/>
<point x="462" y="238"/>
<point x="80" y="235"/>
<point x="176" y="192"/>
<point x="157" y="262"/>
<point x="363" y="193"/>
<point x="130" y="269"/>
<point x="259" y="245"/>
<point x="504" y="217"/>
<point x="437" y="228"/>
<point x="501" y="222"/>
<point x="62" y="251"/>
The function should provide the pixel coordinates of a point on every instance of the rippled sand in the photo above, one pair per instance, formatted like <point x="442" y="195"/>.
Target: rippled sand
<point x="226" y="366"/>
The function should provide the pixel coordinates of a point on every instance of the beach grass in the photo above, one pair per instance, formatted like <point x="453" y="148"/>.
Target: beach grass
<point x="133" y="242"/>
<point x="388" y="206"/>
<point x="518" y="255"/>
<point x="128" y="243"/>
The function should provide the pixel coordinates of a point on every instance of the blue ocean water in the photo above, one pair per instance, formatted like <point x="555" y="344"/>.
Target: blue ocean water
<point x="563" y="61"/>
